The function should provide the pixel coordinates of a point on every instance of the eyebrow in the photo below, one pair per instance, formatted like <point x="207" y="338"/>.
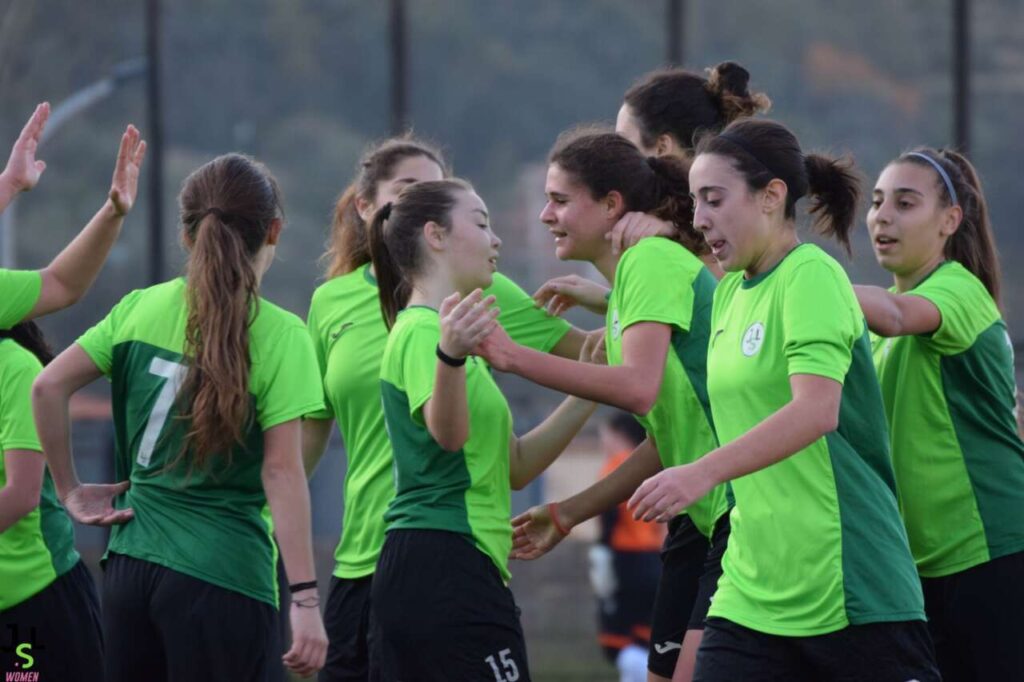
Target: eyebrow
<point x="900" y="190"/>
<point x="559" y="195"/>
<point x="482" y="212"/>
<point x="710" y="188"/>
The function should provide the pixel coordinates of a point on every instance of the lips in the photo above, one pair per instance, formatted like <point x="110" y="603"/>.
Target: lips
<point x="717" y="246"/>
<point x="884" y="243"/>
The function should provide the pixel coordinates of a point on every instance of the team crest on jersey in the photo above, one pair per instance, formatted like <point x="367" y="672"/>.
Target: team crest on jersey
<point x="615" y="325"/>
<point x="752" y="339"/>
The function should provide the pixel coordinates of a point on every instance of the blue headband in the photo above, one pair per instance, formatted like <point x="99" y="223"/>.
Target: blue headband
<point x="942" y="174"/>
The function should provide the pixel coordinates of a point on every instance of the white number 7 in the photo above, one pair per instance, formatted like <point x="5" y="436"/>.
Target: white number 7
<point x="174" y="372"/>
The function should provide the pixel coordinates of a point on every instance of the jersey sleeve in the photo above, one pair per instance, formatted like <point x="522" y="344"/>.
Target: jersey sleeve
<point x="17" y="427"/>
<point x="819" y="324"/>
<point x="21" y="290"/>
<point x="288" y="384"/>
<point x="527" y="324"/>
<point x="964" y="304"/>
<point x="317" y="338"/>
<point x="98" y="342"/>
<point x="419" y="364"/>
<point x="656" y="286"/>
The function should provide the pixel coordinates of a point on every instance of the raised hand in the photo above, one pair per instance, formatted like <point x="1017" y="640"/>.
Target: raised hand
<point x="562" y="293"/>
<point x="125" y="184"/>
<point x="93" y="504"/>
<point x="23" y="169"/>
<point x="634" y="226"/>
<point x="466" y="322"/>
<point x="665" y="494"/>
<point x="534" y="533"/>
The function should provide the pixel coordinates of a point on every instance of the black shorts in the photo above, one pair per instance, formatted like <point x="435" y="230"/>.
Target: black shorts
<point x="55" y="632"/>
<point x="160" y="624"/>
<point x="691" y="567"/>
<point x="444" y="613"/>
<point x="975" y="620"/>
<point x="874" y="652"/>
<point x="351" y="653"/>
<point x="624" y="618"/>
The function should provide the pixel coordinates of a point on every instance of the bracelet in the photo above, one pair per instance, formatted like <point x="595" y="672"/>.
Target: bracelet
<point x="299" y="587"/>
<point x="307" y="603"/>
<point x="553" y="512"/>
<point x="449" y="360"/>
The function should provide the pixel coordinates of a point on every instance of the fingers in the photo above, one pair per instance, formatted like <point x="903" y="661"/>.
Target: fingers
<point x="464" y="306"/>
<point x="140" y="154"/>
<point x="120" y="487"/>
<point x="448" y="304"/>
<point x="116" y="517"/>
<point x="644" y="502"/>
<point x="33" y="129"/>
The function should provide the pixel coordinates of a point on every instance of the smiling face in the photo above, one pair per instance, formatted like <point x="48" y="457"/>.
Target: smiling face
<point x="418" y="168"/>
<point x="728" y="214"/>
<point x="471" y="251"/>
<point x="578" y="222"/>
<point x="908" y="221"/>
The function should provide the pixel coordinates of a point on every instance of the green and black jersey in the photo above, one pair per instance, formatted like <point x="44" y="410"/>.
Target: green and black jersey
<point x="20" y="292"/>
<point x="466" y="492"/>
<point x="39" y="547"/>
<point x="212" y="524"/>
<point x="950" y="397"/>
<point x="658" y="280"/>
<point x="817" y="541"/>
<point x="349" y="336"/>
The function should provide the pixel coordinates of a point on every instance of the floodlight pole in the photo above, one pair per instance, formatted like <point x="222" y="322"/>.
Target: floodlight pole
<point x="961" y="75"/>
<point x="399" y="76"/>
<point x="154" y="144"/>
<point x="674" y="10"/>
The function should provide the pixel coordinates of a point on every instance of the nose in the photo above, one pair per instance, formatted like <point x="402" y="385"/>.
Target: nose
<point x="495" y="242"/>
<point x="547" y="214"/>
<point x="881" y="215"/>
<point x="701" y="222"/>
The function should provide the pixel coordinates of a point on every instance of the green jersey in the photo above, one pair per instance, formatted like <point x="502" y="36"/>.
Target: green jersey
<point x="468" y="491"/>
<point x="817" y="542"/>
<point x="211" y="524"/>
<point x="349" y="335"/>
<point x="658" y="280"/>
<point x="39" y="547"/>
<point x="20" y="292"/>
<point x="949" y="397"/>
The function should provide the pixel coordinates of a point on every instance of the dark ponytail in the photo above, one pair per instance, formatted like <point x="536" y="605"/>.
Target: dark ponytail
<point x="604" y="162"/>
<point x="684" y="104"/>
<point x="396" y="238"/>
<point x="973" y="245"/>
<point x="762" y="150"/>
<point x="29" y="336"/>
<point x="348" y="246"/>
<point x="227" y="208"/>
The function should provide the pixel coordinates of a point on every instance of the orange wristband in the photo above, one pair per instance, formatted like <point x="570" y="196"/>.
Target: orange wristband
<point x="553" y="512"/>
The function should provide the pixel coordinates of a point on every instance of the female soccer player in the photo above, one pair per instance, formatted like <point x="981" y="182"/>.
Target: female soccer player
<point x="209" y="384"/>
<point x="658" y="315"/>
<point x="349" y="336"/>
<point x="945" y="362"/>
<point x="46" y="593"/>
<point x="818" y="581"/>
<point x="439" y="594"/>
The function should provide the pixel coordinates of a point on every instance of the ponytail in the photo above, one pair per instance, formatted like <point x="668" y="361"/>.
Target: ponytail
<point x="29" y="336"/>
<point x="973" y="245"/>
<point x="392" y="287"/>
<point x="834" y="187"/>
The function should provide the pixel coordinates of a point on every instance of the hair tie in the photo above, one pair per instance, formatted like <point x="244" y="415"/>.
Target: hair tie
<point x="385" y="210"/>
<point x="942" y="174"/>
<point x="221" y="215"/>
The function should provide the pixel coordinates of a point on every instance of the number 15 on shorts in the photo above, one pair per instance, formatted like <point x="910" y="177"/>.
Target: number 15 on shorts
<point x="509" y="671"/>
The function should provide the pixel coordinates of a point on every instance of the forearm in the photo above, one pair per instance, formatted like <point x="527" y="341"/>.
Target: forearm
<point x="620" y="386"/>
<point x="288" y="495"/>
<point x="614" y="488"/>
<point x="570" y="344"/>
<point x="535" y="451"/>
<point x="446" y="413"/>
<point x="880" y="308"/>
<point x="316" y="433"/>
<point x="784" y="433"/>
<point x="50" y="411"/>
<point x="8" y="190"/>
<point x="76" y="267"/>
<point x="13" y="507"/>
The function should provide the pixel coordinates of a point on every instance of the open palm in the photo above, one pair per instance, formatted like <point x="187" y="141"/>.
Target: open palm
<point x="125" y="185"/>
<point x="23" y="169"/>
<point x="93" y="504"/>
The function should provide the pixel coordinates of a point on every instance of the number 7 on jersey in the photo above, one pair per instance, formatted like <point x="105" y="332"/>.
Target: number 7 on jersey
<point x="174" y="373"/>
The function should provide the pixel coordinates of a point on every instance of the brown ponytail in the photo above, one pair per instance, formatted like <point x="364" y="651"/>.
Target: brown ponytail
<point x="227" y="207"/>
<point x="396" y="238"/>
<point x="973" y="245"/>
<point x="762" y="150"/>
<point x="348" y="246"/>
<point x="30" y="336"/>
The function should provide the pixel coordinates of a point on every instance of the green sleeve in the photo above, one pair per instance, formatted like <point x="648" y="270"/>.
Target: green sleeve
<point x="20" y="292"/>
<point x="418" y="358"/>
<point x="98" y="341"/>
<point x="287" y="382"/>
<point x="820" y="326"/>
<point x="965" y="305"/>
<point x="655" y="287"/>
<point x="317" y="338"/>
<point x="17" y="427"/>
<point x="527" y="324"/>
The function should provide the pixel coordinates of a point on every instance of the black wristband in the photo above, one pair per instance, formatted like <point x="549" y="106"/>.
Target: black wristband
<point x="299" y="587"/>
<point x="449" y="360"/>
